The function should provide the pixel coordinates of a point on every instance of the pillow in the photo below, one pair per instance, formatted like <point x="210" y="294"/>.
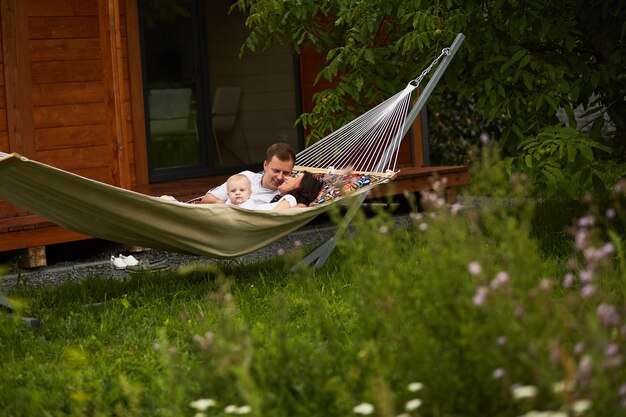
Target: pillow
<point x="338" y="185"/>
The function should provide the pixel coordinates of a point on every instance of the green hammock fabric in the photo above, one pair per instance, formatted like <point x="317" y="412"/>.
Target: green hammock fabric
<point x="112" y="213"/>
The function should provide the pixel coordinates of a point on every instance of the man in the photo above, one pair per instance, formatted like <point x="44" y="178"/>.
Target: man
<point x="279" y="161"/>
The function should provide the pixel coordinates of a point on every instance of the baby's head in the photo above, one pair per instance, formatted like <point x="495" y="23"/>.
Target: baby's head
<point x="239" y="188"/>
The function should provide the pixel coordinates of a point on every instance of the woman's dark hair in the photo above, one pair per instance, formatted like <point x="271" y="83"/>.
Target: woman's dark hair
<point x="309" y="188"/>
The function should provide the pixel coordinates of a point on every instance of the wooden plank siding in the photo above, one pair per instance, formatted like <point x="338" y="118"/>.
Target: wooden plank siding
<point x="71" y="59"/>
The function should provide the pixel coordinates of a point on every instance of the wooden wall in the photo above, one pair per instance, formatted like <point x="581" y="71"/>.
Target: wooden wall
<point x="69" y="95"/>
<point x="65" y="99"/>
<point x="4" y="135"/>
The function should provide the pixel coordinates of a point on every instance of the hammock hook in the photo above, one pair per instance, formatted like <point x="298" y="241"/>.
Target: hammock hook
<point x="416" y="82"/>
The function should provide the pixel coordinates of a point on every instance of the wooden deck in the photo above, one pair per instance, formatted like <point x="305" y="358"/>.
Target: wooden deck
<point x="20" y="229"/>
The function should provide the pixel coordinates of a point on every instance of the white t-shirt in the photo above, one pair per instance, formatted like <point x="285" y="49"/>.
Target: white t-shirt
<point x="248" y="204"/>
<point x="260" y="195"/>
<point x="271" y="206"/>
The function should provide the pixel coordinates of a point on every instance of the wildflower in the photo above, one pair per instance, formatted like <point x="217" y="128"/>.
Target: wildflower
<point x="581" y="406"/>
<point x="480" y="296"/>
<point x="545" y="284"/>
<point x="608" y="249"/>
<point x="297" y="243"/>
<point x="586" y="221"/>
<point x="474" y="268"/>
<point x="588" y="291"/>
<point x="202" y="404"/>
<point x="608" y="315"/>
<point x="498" y="373"/>
<point x="562" y="386"/>
<point x="586" y="276"/>
<point x="455" y="209"/>
<point x="423" y="227"/>
<point x="568" y="280"/>
<point x="244" y="409"/>
<point x="280" y="252"/>
<point x="383" y="230"/>
<point x="484" y="138"/>
<point x="501" y="278"/>
<point x="622" y="390"/>
<point x="581" y="239"/>
<point x="524" y="391"/>
<point x="501" y="341"/>
<point x="231" y="409"/>
<point x="364" y="409"/>
<point x="584" y="367"/>
<point x="415" y="386"/>
<point x="579" y="348"/>
<point x="413" y="404"/>
<point x="610" y="213"/>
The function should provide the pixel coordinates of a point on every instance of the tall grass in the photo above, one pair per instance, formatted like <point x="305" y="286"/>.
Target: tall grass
<point x="461" y="313"/>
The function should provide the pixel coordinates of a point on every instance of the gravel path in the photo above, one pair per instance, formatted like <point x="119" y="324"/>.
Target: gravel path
<point x="68" y="269"/>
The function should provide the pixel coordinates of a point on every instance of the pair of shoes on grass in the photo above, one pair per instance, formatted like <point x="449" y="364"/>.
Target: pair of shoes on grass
<point x="146" y="265"/>
<point x="122" y="262"/>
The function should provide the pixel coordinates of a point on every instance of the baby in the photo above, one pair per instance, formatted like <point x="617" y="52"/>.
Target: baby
<point x="239" y="190"/>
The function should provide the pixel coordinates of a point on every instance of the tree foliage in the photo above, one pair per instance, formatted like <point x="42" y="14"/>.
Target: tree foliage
<point x="521" y="61"/>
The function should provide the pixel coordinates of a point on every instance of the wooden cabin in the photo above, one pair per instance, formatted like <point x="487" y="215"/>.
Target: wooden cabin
<point x="150" y="96"/>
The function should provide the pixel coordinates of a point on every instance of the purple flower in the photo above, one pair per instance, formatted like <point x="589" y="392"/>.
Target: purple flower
<point x="610" y="213"/>
<point x="586" y="276"/>
<point x="501" y="341"/>
<point x="611" y="350"/>
<point x="588" y="291"/>
<point x="501" y="278"/>
<point x="480" y="296"/>
<point x="568" y="280"/>
<point x="608" y="315"/>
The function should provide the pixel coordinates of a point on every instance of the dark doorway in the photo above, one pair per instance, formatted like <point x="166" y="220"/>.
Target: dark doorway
<point x="174" y="89"/>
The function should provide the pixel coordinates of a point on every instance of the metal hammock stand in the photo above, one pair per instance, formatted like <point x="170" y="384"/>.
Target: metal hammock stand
<point x="318" y="257"/>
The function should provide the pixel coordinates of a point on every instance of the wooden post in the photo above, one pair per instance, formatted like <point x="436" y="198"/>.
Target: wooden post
<point x="136" y="93"/>
<point x="18" y="77"/>
<point x="111" y="40"/>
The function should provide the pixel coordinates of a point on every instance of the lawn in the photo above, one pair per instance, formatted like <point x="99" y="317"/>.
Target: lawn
<point x="475" y="311"/>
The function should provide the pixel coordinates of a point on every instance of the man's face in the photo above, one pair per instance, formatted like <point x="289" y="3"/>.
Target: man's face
<point x="275" y="172"/>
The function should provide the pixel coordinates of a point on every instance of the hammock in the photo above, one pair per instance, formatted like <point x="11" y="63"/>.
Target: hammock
<point x="369" y="143"/>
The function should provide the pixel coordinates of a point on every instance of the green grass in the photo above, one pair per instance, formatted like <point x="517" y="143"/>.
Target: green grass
<point x="393" y="306"/>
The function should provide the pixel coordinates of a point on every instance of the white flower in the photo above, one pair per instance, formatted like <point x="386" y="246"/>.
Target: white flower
<point x="244" y="409"/>
<point x="415" y="386"/>
<point x="562" y="386"/>
<point x="524" y="391"/>
<point x="364" y="408"/>
<point x="231" y="409"/>
<point x="474" y="268"/>
<point x="202" y="404"/>
<point x="581" y="406"/>
<point x="414" y="404"/>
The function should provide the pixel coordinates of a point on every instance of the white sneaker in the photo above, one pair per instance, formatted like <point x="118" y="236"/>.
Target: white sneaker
<point x="118" y="263"/>
<point x="129" y="260"/>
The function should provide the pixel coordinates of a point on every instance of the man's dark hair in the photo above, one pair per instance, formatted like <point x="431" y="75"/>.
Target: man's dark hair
<point x="309" y="188"/>
<point x="282" y="151"/>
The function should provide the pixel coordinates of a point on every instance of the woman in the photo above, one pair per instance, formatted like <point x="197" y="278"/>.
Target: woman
<point x="297" y="191"/>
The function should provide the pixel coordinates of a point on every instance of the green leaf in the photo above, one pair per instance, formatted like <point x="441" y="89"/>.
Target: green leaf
<point x="586" y="152"/>
<point x="571" y="117"/>
<point x="529" y="161"/>
<point x="571" y="152"/>
<point x="528" y="80"/>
